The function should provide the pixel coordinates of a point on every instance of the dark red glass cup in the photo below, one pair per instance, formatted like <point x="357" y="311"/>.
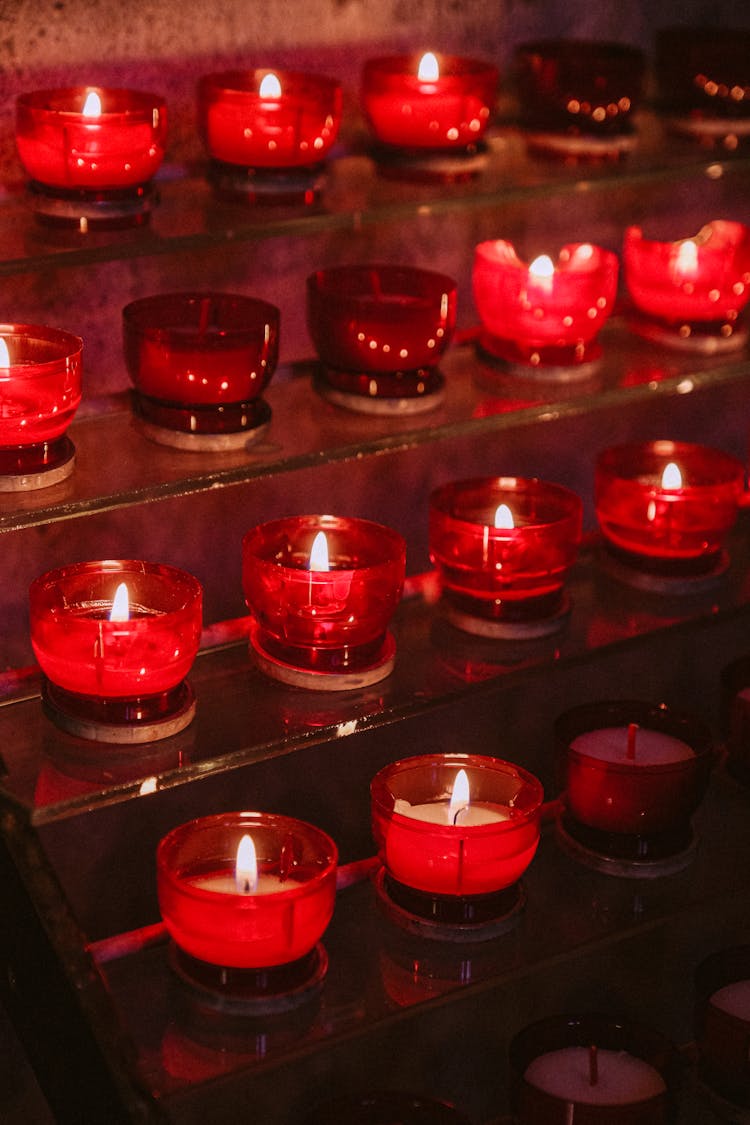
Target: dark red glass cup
<point x="722" y="1022"/>
<point x="703" y="77"/>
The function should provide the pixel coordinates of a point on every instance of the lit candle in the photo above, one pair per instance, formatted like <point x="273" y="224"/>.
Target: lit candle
<point x="457" y="810"/>
<point x="622" y="1079"/>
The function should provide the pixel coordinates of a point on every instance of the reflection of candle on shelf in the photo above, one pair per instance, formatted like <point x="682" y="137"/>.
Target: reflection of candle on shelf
<point x="619" y="1078"/>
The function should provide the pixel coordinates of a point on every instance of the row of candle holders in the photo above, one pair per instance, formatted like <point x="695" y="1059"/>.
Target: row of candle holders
<point x="200" y="362"/>
<point x="91" y="152"/>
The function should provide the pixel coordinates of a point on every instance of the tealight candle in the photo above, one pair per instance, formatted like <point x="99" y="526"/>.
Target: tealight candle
<point x="200" y="363"/>
<point x="380" y="331"/>
<point x="115" y="640"/>
<point x="502" y="547"/>
<point x="690" y="293"/>
<point x="269" y="119"/>
<point x="322" y="590"/>
<point x="432" y="102"/>
<point x="544" y="315"/>
<point x="246" y="890"/>
<point x="666" y="506"/>
<point x="722" y="1017"/>
<point x="40" y="389"/>
<point x="633" y="773"/>
<point x="86" y="143"/>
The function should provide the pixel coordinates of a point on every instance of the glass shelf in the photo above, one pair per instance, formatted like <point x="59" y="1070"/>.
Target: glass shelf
<point x="355" y="191"/>
<point x="306" y="431"/>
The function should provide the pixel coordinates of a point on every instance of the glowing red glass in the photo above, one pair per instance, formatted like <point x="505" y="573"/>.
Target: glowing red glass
<point x="504" y="572"/>
<point x="654" y="519"/>
<point x="40" y="384"/>
<point x="325" y="620"/>
<point x="455" y="859"/>
<point x="293" y="128"/>
<point x="543" y="313"/>
<point x="120" y="147"/>
<point x="279" y="921"/>
<point x="450" y="112"/>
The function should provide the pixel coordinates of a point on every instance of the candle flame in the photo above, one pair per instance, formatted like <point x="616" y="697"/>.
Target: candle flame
<point x="542" y="267"/>
<point x="121" y="604"/>
<point x="4" y="353"/>
<point x="686" y="262"/>
<point x="246" y="867"/>
<point x="319" y="553"/>
<point x="504" y="517"/>
<point x="429" y="68"/>
<point x="270" y="87"/>
<point x="92" y="107"/>
<point x="459" y="797"/>
<point x="671" y="477"/>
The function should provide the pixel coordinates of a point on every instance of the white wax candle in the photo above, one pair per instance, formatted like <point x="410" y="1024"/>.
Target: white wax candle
<point x="652" y="747"/>
<point x="734" y="999"/>
<point x="439" y="812"/>
<point x="622" y="1078"/>
<point x="225" y="883"/>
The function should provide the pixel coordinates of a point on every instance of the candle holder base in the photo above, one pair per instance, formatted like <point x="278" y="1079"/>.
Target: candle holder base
<point x="430" y="166"/>
<point x="451" y="918"/>
<point x="679" y="577"/>
<point x="717" y="337"/>
<point x="24" y="468"/>
<point x="202" y="428"/>
<point x="384" y="394"/>
<point x="572" y="147"/>
<point x="508" y="629"/>
<point x="624" y="856"/>
<point x="574" y="364"/>
<point x="379" y="665"/>
<point x="712" y="132"/>
<point x="271" y="991"/>
<point x="82" y="210"/>
<point x="234" y="183"/>
<point x="720" y="1105"/>
<point x="123" y="722"/>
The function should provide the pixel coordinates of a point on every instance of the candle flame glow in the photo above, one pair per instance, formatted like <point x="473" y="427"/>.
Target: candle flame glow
<point x="121" y="604"/>
<point x="671" y="477"/>
<point x="246" y="867"/>
<point x="92" y="107"/>
<point x="4" y="354"/>
<point x="319" y="553"/>
<point x="429" y="68"/>
<point x="542" y="267"/>
<point x="459" y="797"/>
<point x="686" y="262"/>
<point x="504" y="517"/>
<point x="270" y="87"/>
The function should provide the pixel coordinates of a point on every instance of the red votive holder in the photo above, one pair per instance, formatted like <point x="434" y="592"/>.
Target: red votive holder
<point x="322" y="590"/>
<point x="199" y="363"/>
<point x="429" y="104"/>
<point x="115" y="640"/>
<point x="455" y="833"/>
<point x="690" y="293"/>
<point x="722" y="1023"/>
<point x="544" y="316"/>
<point x="592" y="1068"/>
<point x="703" y="76"/>
<point x="633" y="774"/>
<point x="380" y="331"/>
<point x="502" y="547"/>
<point x="90" y="153"/>
<point x="246" y="897"/>
<point x="735" y="693"/>
<point x="665" y="509"/>
<point x="578" y="97"/>
<point x="40" y="389"/>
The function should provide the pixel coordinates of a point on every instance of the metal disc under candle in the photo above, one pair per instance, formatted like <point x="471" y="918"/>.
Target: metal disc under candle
<point x="386" y="406"/>
<point x="99" y="721"/>
<point x="630" y="857"/>
<point x="324" y="681"/>
<point x="624" y="570"/>
<point x="575" y="145"/>
<point x="508" y="630"/>
<point x="83" y="210"/>
<point x="55" y="465"/>
<point x="252" y="426"/>
<point x="496" y="913"/>
<point x="691" y="337"/>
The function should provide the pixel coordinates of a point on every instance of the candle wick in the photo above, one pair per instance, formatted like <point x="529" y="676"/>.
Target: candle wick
<point x="630" y="752"/>
<point x="457" y="813"/>
<point x="246" y="887"/>
<point x="593" y="1065"/>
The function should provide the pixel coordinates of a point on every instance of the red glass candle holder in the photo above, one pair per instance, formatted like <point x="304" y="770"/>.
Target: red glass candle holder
<point x="543" y="316"/>
<point x="722" y="1023"/>
<point x="321" y="627"/>
<point x="250" y="932"/>
<point x="199" y="363"/>
<point x="504" y="580"/>
<point x="40" y="389"/>
<point x="120" y="680"/>
<point x="380" y="331"/>
<point x="666" y="507"/>
<point x="447" y="111"/>
<point x="448" y="863"/>
<point x="633" y="773"/>
<point x="735" y="693"/>
<point x="690" y="294"/>
<point x="578" y="97"/>
<point x="629" y="1078"/>
<point x="703" y="76"/>
<point x="90" y="153"/>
